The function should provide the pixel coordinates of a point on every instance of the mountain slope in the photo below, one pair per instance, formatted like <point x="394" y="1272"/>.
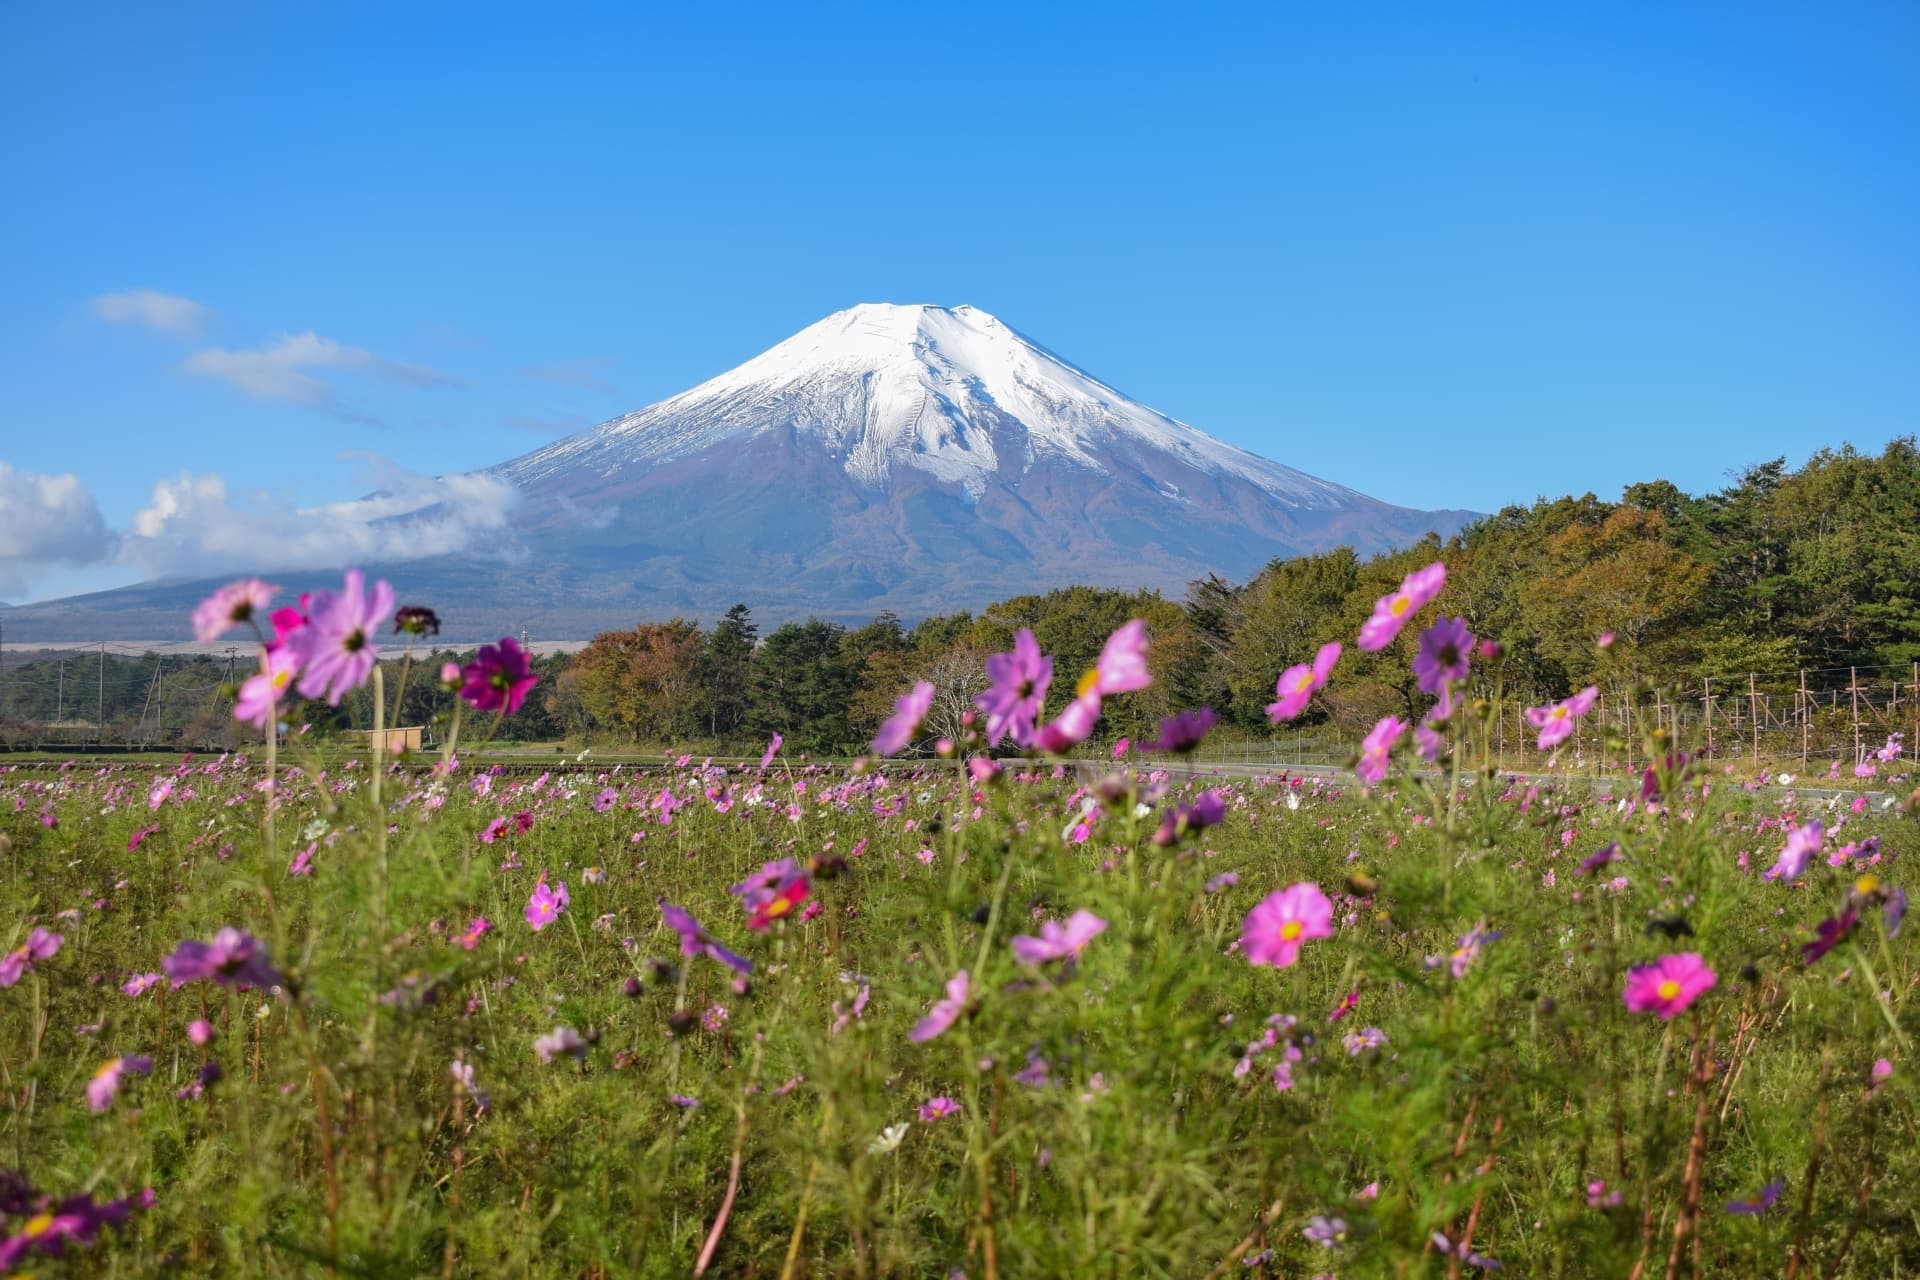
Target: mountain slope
<point x="912" y="458"/>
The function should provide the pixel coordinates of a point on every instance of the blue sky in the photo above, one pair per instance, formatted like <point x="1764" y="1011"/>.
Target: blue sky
<point x="1450" y="258"/>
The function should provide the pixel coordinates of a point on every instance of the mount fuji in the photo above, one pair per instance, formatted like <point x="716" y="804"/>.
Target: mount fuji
<point x="913" y="458"/>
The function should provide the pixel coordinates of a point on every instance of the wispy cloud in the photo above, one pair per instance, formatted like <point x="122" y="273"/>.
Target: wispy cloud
<point x="561" y="425"/>
<point x="47" y="522"/>
<point x="283" y="371"/>
<point x="586" y="373"/>
<point x="149" y="308"/>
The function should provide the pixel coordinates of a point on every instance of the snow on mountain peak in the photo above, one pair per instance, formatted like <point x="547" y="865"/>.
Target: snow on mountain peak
<point x="951" y="392"/>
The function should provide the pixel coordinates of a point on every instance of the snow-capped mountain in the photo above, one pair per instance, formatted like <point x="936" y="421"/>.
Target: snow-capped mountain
<point x="913" y="458"/>
<point x="955" y="394"/>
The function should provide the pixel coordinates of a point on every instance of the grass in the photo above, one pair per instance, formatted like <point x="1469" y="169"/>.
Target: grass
<point x="1105" y="1124"/>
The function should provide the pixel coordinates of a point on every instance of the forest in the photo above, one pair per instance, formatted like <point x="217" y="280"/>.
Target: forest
<point x="1782" y="579"/>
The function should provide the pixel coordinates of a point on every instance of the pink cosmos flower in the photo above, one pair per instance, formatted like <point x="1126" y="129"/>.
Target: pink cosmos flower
<point x="1058" y="942"/>
<point x="1298" y="684"/>
<point x="336" y="648"/>
<point x="1802" y="844"/>
<point x="40" y="945"/>
<point x="229" y="606"/>
<point x="1376" y="747"/>
<point x="263" y="690"/>
<point x="909" y="710"/>
<point x="1442" y="659"/>
<point x="1288" y="917"/>
<point x="477" y="928"/>
<point x="933" y="1108"/>
<point x="498" y="678"/>
<point x="1019" y="692"/>
<point x="1555" y="721"/>
<point x="695" y="940"/>
<point x="1122" y="667"/>
<point x="558" y="1041"/>
<point x="1073" y="727"/>
<point x="105" y="1085"/>
<point x="545" y="905"/>
<point x="773" y="749"/>
<point x="1395" y="609"/>
<point x="1668" y="985"/>
<point x="200" y="1031"/>
<point x="944" y="1012"/>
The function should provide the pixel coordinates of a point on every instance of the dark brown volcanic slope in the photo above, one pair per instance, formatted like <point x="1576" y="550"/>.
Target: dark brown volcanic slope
<point x="917" y="459"/>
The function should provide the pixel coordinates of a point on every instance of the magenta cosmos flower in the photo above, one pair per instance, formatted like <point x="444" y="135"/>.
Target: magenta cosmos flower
<point x="498" y="677"/>
<point x="1122" y="667"/>
<point x="336" y="649"/>
<point x="105" y="1085"/>
<point x="944" y="1012"/>
<point x="1555" y="721"/>
<point x="1442" y="659"/>
<point x="229" y="606"/>
<point x="1377" y="747"/>
<point x="545" y="904"/>
<point x="1668" y="985"/>
<point x="909" y="711"/>
<point x="1395" y="609"/>
<point x="1057" y="941"/>
<point x="1288" y="917"/>
<point x="1298" y="684"/>
<point x="1019" y="691"/>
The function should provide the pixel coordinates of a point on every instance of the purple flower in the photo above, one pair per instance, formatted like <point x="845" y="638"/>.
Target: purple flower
<point x="1328" y="1233"/>
<point x="1183" y="732"/>
<point x="909" y="710"/>
<point x="335" y="648"/>
<point x="1057" y="942"/>
<point x="229" y="606"/>
<point x="1442" y="659"/>
<point x="545" y="905"/>
<point x="234" y="958"/>
<point x="40" y="945"/>
<point x="1598" y="859"/>
<point x="1182" y="820"/>
<point x="498" y="678"/>
<point x="1894" y="911"/>
<point x="695" y="940"/>
<point x="1019" y="690"/>
<point x="1298" y="684"/>
<point x="1395" y="609"/>
<point x="1829" y="934"/>
<point x="1766" y="1198"/>
<point x="1461" y="1251"/>
<point x="944" y="1012"/>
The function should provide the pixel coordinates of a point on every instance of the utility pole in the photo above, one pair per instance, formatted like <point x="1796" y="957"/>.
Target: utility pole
<point x="60" y="699"/>
<point x="100" y="706"/>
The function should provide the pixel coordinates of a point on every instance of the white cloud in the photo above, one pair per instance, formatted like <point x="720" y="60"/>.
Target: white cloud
<point x="280" y="372"/>
<point x="194" y="526"/>
<point x="47" y="521"/>
<point x="167" y="312"/>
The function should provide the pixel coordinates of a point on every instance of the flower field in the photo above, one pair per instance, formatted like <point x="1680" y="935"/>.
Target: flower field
<point x="1006" y="1005"/>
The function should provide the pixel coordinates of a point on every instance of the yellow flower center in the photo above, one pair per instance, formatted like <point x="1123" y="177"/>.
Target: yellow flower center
<point x="1668" y="989"/>
<point x="1867" y="884"/>
<point x="1306" y="683"/>
<point x="1399" y="606"/>
<point x="38" y="1224"/>
<point x="1559" y="713"/>
<point x="107" y="1068"/>
<point x="1291" y="930"/>
<point x="1087" y="682"/>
